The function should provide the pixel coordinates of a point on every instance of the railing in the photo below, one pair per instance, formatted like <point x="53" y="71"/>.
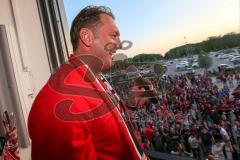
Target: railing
<point x="154" y="155"/>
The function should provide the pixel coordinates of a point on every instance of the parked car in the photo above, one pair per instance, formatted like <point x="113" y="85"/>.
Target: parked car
<point x="223" y="56"/>
<point x="168" y="63"/>
<point x="190" y="70"/>
<point x="181" y="65"/>
<point x="195" y="65"/>
<point x="195" y="60"/>
<point x="225" y="67"/>
<point x="132" y="75"/>
<point x="143" y="72"/>
<point x="218" y="55"/>
<point x="235" y="58"/>
<point x="230" y="57"/>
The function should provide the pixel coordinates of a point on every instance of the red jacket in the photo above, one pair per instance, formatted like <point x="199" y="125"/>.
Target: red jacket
<point x="68" y="121"/>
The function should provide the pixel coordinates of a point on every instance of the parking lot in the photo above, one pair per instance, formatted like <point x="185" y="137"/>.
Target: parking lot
<point x="215" y="62"/>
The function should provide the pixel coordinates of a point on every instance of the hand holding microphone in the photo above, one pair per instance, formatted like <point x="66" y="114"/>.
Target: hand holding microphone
<point x="142" y="92"/>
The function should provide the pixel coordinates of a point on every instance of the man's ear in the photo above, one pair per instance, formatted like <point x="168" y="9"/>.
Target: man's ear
<point x="86" y="36"/>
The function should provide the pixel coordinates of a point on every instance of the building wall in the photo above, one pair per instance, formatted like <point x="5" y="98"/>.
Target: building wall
<point x="27" y="46"/>
<point x="28" y="53"/>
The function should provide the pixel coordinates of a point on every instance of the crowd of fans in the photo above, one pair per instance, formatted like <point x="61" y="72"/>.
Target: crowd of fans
<point x="193" y="117"/>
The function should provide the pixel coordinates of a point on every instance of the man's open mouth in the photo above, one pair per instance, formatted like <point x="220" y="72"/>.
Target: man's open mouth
<point x="112" y="52"/>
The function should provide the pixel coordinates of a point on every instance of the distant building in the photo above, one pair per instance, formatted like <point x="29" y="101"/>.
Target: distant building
<point x="119" y="57"/>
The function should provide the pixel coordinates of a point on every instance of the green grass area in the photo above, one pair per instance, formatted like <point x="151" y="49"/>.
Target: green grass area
<point x="212" y="74"/>
<point x="237" y="69"/>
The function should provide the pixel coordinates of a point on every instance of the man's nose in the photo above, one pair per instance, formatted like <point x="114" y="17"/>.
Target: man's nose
<point x="119" y="44"/>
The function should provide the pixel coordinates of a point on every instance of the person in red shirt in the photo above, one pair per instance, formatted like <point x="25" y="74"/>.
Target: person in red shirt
<point x="77" y="115"/>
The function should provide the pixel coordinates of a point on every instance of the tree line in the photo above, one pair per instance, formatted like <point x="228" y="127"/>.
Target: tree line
<point x="211" y="44"/>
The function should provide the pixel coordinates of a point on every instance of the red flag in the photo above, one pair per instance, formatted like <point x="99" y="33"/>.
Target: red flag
<point x="11" y="148"/>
